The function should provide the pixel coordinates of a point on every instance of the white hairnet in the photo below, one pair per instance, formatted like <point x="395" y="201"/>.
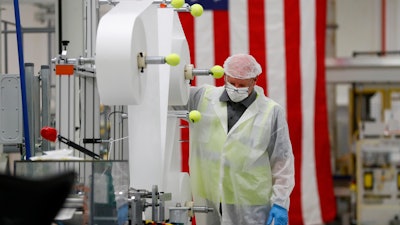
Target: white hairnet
<point x="242" y="66"/>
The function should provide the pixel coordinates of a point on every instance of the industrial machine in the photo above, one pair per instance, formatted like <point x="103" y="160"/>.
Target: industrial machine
<point x="367" y="137"/>
<point x="378" y="181"/>
<point x="144" y="65"/>
<point x="101" y="187"/>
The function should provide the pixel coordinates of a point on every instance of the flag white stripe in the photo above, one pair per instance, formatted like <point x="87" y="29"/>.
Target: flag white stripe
<point x="238" y="27"/>
<point x="310" y="198"/>
<point x="204" y="45"/>
<point x="276" y="74"/>
<point x="277" y="79"/>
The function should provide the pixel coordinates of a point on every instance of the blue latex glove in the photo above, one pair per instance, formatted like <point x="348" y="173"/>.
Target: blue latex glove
<point x="279" y="215"/>
<point x="122" y="214"/>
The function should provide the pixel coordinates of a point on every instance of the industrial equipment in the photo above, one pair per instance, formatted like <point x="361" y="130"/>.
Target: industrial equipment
<point x="178" y="215"/>
<point x="99" y="186"/>
<point x="145" y="66"/>
<point x="378" y="181"/>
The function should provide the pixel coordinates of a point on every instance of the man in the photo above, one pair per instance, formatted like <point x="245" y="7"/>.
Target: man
<point x="241" y="160"/>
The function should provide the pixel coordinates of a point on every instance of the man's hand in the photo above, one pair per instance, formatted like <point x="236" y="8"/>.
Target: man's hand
<point x="278" y="214"/>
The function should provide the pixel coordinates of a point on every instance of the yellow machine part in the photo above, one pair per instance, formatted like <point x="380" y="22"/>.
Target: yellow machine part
<point x="368" y="180"/>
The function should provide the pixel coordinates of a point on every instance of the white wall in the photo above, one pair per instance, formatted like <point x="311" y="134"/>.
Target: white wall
<point x="35" y="45"/>
<point x="393" y="24"/>
<point x="359" y="30"/>
<point x="359" y="26"/>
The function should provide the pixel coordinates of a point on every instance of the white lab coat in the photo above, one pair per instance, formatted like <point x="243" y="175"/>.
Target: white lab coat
<point x="246" y="169"/>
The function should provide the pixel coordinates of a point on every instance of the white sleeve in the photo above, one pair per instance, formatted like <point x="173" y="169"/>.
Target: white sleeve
<point x="281" y="160"/>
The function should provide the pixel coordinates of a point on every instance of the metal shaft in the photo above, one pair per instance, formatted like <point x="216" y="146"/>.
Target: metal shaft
<point x="201" y="72"/>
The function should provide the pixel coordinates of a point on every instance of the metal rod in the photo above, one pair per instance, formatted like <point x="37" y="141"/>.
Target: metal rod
<point x="32" y="30"/>
<point x="85" y="71"/>
<point x="183" y="9"/>
<point x="155" y="60"/>
<point x="30" y="100"/>
<point x="202" y="209"/>
<point x="86" y="61"/>
<point x="46" y="93"/>
<point x="78" y="147"/>
<point x="154" y="203"/>
<point x="161" y="1"/>
<point x="178" y="113"/>
<point x="201" y="72"/>
<point x="6" y="49"/>
<point x="36" y="107"/>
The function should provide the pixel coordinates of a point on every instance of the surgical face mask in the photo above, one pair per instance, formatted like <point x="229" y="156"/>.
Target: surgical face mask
<point x="236" y="94"/>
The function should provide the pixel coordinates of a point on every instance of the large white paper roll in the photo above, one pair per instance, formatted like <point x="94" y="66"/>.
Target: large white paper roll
<point x="185" y="191"/>
<point x="172" y="40"/>
<point x="179" y="87"/>
<point x="120" y="38"/>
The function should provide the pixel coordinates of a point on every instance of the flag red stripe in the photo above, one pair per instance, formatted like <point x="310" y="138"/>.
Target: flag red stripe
<point x="221" y="39"/>
<point x="322" y="147"/>
<point x="184" y="145"/>
<point x="187" y="22"/>
<point x="294" y="104"/>
<point x="257" y="45"/>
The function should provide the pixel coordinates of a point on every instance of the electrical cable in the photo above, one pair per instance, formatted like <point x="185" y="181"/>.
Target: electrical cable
<point x="22" y="81"/>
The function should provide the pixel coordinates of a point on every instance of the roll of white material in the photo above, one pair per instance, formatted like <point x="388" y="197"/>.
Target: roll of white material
<point x="179" y="87"/>
<point x="179" y="186"/>
<point x="121" y="37"/>
<point x="185" y="191"/>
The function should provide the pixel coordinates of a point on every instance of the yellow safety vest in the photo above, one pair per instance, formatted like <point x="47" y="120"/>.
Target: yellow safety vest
<point x="234" y="167"/>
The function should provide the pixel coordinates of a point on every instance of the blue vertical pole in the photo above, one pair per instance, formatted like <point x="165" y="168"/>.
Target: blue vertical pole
<point x="22" y="80"/>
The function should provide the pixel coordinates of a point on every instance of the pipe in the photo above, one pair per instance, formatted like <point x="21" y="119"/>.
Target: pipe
<point x="383" y="27"/>
<point x="78" y="147"/>
<point x="60" y="47"/>
<point x="22" y="80"/>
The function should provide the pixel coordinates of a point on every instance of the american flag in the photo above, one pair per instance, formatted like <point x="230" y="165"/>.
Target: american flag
<point x="287" y="37"/>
